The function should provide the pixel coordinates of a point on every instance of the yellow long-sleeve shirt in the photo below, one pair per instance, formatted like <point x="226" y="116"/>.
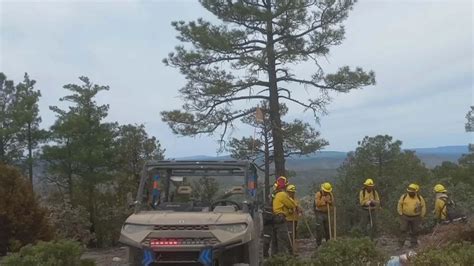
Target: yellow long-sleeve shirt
<point x="440" y="211"/>
<point x="293" y="214"/>
<point x="322" y="202"/>
<point x="283" y="204"/>
<point x="409" y="206"/>
<point x="364" y="198"/>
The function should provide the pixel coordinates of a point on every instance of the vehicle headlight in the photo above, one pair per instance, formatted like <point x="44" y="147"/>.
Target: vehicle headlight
<point x="233" y="228"/>
<point x="136" y="228"/>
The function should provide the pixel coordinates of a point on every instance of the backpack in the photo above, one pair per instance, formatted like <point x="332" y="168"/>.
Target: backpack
<point x="406" y="195"/>
<point x="452" y="212"/>
<point x="314" y="201"/>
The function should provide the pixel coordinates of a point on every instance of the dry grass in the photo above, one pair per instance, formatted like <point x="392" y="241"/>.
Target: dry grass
<point x="446" y="234"/>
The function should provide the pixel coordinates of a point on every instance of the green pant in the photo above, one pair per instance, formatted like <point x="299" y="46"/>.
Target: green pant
<point x="409" y="226"/>
<point x="269" y="239"/>
<point x="322" y="227"/>
<point x="282" y="239"/>
<point x="369" y="228"/>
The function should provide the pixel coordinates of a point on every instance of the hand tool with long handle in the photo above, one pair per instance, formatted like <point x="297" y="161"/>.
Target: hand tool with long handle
<point x="329" y="221"/>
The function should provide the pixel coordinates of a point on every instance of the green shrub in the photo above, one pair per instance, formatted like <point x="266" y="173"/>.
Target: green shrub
<point x="349" y="251"/>
<point x="454" y="254"/>
<point x="54" y="253"/>
<point x="284" y="260"/>
<point x="22" y="220"/>
<point x="88" y="262"/>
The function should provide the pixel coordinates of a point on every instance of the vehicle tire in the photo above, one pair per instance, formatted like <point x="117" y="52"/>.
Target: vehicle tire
<point x="234" y="256"/>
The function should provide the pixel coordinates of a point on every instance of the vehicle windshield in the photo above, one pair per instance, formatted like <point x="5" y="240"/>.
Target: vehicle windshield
<point x="188" y="189"/>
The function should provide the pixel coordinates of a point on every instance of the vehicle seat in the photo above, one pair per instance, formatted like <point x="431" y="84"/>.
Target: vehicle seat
<point x="183" y="194"/>
<point x="237" y="190"/>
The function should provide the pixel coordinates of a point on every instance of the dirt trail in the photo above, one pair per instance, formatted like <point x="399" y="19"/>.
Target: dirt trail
<point x="105" y="257"/>
<point x="306" y="248"/>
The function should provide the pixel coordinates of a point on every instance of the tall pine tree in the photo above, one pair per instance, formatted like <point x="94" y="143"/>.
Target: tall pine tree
<point x="251" y="57"/>
<point x="82" y="157"/>
<point x="27" y="116"/>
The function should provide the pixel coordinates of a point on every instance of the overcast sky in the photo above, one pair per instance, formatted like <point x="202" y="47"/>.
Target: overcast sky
<point x="421" y="51"/>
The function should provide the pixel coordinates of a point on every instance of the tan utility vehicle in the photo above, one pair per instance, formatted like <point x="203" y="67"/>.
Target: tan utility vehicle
<point x="196" y="212"/>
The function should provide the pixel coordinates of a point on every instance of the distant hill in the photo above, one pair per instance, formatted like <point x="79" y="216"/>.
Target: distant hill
<point x="323" y="165"/>
<point x="443" y="150"/>
<point x="333" y="159"/>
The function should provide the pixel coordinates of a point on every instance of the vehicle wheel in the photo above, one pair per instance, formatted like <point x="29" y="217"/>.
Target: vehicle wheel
<point x="234" y="256"/>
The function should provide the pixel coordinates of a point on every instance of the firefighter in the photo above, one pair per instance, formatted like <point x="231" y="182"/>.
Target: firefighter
<point x="323" y="203"/>
<point x="412" y="209"/>
<point x="292" y="218"/>
<point x="440" y="209"/>
<point x="283" y="206"/>
<point x="369" y="201"/>
<point x="269" y="233"/>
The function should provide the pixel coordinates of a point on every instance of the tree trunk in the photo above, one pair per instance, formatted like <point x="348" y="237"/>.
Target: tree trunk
<point x="278" y="153"/>
<point x="2" y="151"/>
<point x="92" y="217"/>
<point x="30" y="155"/>
<point x="70" y="184"/>
<point x="267" y="164"/>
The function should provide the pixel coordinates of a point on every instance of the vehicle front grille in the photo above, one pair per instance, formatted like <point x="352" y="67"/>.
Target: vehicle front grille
<point x="184" y="257"/>
<point x="181" y="227"/>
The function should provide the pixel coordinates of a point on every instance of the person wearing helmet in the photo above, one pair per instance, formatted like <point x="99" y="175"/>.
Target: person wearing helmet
<point x="279" y="185"/>
<point x="269" y="231"/>
<point x="323" y="200"/>
<point x="292" y="218"/>
<point x="440" y="209"/>
<point x="369" y="201"/>
<point x="411" y="208"/>
<point x="283" y="206"/>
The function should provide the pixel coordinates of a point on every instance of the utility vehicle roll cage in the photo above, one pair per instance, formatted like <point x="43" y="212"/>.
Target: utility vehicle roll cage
<point x="190" y="168"/>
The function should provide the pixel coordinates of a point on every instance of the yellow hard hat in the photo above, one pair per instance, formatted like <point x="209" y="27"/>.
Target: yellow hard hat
<point x="291" y="188"/>
<point x="369" y="182"/>
<point x="440" y="189"/>
<point x="326" y="187"/>
<point x="413" y="188"/>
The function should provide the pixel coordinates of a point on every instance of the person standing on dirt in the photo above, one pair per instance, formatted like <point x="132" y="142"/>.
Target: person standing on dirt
<point x="369" y="201"/>
<point x="292" y="218"/>
<point x="283" y="207"/>
<point x="269" y="233"/>
<point x="323" y="201"/>
<point x="411" y="208"/>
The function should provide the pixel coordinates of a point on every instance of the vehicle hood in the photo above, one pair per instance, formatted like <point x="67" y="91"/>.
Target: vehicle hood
<point x="187" y="218"/>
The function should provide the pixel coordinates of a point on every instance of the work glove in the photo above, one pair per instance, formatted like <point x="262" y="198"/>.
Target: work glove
<point x="328" y="200"/>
